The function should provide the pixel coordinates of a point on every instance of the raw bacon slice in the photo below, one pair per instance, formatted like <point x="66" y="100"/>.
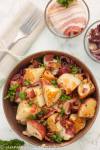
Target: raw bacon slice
<point x="67" y="21"/>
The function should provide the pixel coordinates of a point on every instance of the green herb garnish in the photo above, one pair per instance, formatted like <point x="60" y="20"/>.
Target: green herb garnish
<point x="65" y="97"/>
<point x="39" y="114"/>
<point x="40" y="59"/>
<point x="32" y="117"/>
<point x="58" y="59"/>
<point x="22" y="95"/>
<point x="36" y="116"/>
<point x="30" y="103"/>
<point x="42" y="65"/>
<point x="54" y="82"/>
<point x="11" y="145"/>
<point x="81" y="100"/>
<point x="44" y="122"/>
<point x="74" y="69"/>
<point x="27" y="82"/>
<point x="11" y="92"/>
<point x="57" y="138"/>
<point x="62" y="112"/>
<point x="65" y="3"/>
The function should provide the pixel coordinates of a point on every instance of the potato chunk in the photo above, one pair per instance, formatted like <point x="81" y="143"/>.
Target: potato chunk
<point x="35" y="129"/>
<point x="87" y="110"/>
<point x="25" y="110"/>
<point x="51" y="93"/>
<point x="68" y="82"/>
<point x="48" y="75"/>
<point x="57" y="127"/>
<point x="79" y="123"/>
<point x="33" y="74"/>
<point x="85" y="88"/>
<point x="51" y="122"/>
<point x="39" y="99"/>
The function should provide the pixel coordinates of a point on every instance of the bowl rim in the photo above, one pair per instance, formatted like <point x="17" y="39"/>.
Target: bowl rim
<point x="65" y="37"/>
<point x="82" y="132"/>
<point x="85" y="37"/>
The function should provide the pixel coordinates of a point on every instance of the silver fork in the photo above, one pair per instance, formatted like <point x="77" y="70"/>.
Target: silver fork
<point x="27" y="28"/>
<point x="24" y="31"/>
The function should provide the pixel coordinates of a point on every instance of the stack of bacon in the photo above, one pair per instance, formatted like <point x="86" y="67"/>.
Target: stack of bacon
<point x="68" y="21"/>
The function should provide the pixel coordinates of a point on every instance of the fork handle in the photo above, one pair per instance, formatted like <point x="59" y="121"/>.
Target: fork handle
<point x="11" y="45"/>
<point x="18" y="38"/>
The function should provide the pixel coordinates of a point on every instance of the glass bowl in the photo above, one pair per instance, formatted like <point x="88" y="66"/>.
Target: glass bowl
<point x="86" y="42"/>
<point x="51" y="24"/>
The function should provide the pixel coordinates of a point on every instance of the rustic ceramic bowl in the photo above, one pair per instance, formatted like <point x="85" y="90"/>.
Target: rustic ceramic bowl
<point x="10" y="108"/>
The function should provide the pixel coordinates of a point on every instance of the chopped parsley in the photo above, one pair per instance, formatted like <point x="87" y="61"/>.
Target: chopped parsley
<point x="11" y="92"/>
<point x="81" y="100"/>
<point x="30" y="103"/>
<point x="62" y="112"/>
<point x="43" y="122"/>
<point x="27" y="82"/>
<point x="39" y="114"/>
<point x="42" y="65"/>
<point x="58" y="59"/>
<point x="36" y="116"/>
<point x="22" y="95"/>
<point x="74" y="69"/>
<point x="40" y="59"/>
<point x="65" y="3"/>
<point x="14" y="144"/>
<point x="54" y="82"/>
<point x="57" y="138"/>
<point x="65" y="97"/>
<point x="32" y="117"/>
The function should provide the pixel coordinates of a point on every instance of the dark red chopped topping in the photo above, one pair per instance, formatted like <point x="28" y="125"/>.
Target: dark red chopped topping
<point x="48" y="57"/>
<point x="35" y="64"/>
<point x="64" y="69"/>
<point x="94" y="42"/>
<point x="30" y="93"/>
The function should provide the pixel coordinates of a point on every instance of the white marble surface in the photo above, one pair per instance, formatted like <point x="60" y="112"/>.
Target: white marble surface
<point x="47" y="41"/>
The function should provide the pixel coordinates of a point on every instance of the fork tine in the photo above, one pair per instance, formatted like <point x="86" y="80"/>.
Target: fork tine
<point x="33" y="25"/>
<point x="29" y="22"/>
<point x="26" y="30"/>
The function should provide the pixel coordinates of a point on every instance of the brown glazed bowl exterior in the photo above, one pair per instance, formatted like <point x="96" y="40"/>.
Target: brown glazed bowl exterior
<point x="10" y="108"/>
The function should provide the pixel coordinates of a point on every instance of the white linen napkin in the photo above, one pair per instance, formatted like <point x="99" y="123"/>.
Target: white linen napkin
<point x="23" y="10"/>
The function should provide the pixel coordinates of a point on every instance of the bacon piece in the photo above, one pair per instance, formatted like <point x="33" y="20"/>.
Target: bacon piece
<point x="88" y="108"/>
<point x="67" y="108"/>
<point x="30" y="93"/>
<point x="72" y="31"/>
<point x="48" y="58"/>
<point x="64" y="69"/>
<point x="51" y="112"/>
<point x="35" y="129"/>
<point x="35" y="64"/>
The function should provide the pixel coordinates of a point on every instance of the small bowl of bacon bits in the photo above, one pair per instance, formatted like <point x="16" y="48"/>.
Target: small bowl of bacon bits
<point x="51" y="99"/>
<point x="92" y="41"/>
<point x="67" y="18"/>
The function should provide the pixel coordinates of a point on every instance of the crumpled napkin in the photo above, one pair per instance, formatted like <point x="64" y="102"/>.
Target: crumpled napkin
<point x="21" y="11"/>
